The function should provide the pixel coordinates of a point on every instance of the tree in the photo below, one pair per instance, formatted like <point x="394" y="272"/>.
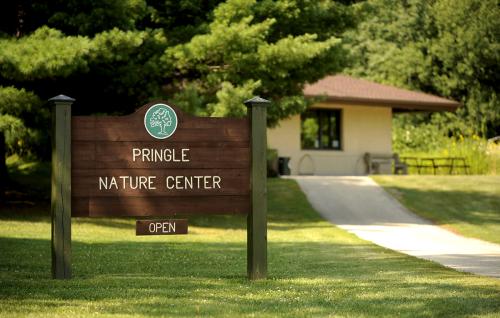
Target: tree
<point x="444" y="47"/>
<point x="243" y="54"/>
<point x="206" y="56"/>
<point x="14" y="105"/>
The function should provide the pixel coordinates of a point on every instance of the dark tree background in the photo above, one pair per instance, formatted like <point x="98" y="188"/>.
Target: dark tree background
<point x="207" y="56"/>
<point x="115" y="55"/>
<point x="446" y="47"/>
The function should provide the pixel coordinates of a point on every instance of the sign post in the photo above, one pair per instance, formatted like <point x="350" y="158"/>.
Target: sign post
<point x="257" y="218"/>
<point x="61" y="187"/>
<point x="158" y="162"/>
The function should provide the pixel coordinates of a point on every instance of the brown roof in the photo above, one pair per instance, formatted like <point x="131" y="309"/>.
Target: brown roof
<point x="345" y="89"/>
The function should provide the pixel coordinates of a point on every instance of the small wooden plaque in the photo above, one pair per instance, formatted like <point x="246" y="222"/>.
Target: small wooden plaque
<point x="161" y="227"/>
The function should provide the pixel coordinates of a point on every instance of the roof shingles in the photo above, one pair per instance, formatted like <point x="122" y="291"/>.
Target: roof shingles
<point x="342" y="88"/>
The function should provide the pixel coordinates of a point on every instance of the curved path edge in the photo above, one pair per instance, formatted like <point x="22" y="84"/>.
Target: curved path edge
<point x="362" y="207"/>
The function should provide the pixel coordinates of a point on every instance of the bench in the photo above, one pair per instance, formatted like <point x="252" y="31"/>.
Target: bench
<point x="384" y="164"/>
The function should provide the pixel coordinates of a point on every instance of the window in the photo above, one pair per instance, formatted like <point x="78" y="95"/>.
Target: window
<point x="320" y="129"/>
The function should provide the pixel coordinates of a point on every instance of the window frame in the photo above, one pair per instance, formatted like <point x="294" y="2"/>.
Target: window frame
<point x="331" y="112"/>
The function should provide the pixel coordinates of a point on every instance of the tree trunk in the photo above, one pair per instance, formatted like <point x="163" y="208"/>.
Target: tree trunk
<point x="21" y="13"/>
<point x="3" y="168"/>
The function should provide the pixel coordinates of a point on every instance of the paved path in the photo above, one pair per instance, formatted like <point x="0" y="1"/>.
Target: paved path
<point x="361" y="206"/>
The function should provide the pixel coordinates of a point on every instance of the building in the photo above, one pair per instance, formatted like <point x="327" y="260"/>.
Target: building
<point x="354" y="117"/>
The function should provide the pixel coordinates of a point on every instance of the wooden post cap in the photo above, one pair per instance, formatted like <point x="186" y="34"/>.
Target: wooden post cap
<point x="62" y="99"/>
<point x="256" y="100"/>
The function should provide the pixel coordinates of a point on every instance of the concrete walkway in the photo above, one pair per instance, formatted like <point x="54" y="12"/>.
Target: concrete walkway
<point x="361" y="206"/>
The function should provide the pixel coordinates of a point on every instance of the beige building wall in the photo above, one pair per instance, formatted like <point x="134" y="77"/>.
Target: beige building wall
<point x="363" y="129"/>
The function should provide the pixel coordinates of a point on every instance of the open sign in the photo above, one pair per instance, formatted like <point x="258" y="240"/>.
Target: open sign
<point x="161" y="227"/>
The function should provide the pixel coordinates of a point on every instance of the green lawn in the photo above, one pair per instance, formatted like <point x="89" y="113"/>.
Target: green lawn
<point x="469" y="205"/>
<point x="315" y="270"/>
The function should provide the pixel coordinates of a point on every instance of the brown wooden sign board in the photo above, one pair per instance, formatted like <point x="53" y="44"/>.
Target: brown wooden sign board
<point x="161" y="227"/>
<point x="120" y="169"/>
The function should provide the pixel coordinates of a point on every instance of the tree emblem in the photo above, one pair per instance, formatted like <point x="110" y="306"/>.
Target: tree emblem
<point x="160" y="121"/>
<point x="161" y="118"/>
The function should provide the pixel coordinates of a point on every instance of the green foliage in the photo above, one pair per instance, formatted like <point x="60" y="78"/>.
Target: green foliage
<point x="22" y="117"/>
<point x="92" y="17"/>
<point x="190" y="100"/>
<point x="127" y="58"/>
<point x="10" y="124"/>
<point x="229" y="99"/>
<point x="75" y="17"/>
<point x="409" y="136"/>
<point x="450" y="48"/>
<point x="430" y="140"/>
<point x="206" y="56"/>
<point x="46" y="53"/>
<point x="180" y="20"/>
<point x="236" y="53"/>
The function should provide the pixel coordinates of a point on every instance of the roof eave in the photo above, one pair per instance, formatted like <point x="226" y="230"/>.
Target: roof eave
<point x="406" y="105"/>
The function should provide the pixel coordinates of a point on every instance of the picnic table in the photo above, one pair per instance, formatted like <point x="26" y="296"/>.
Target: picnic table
<point x="451" y="164"/>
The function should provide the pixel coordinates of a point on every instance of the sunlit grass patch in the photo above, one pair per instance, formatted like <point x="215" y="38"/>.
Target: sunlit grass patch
<point x="315" y="270"/>
<point x="469" y="205"/>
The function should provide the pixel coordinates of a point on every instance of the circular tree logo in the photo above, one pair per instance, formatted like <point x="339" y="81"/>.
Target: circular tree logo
<point x="160" y="121"/>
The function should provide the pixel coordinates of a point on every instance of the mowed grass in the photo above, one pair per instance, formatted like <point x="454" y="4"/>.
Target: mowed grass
<point x="468" y="205"/>
<point x="315" y="270"/>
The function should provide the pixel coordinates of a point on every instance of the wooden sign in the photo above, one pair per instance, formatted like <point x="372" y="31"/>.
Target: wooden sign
<point x="161" y="227"/>
<point x="120" y="168"/>
<point x="158" y="161"/>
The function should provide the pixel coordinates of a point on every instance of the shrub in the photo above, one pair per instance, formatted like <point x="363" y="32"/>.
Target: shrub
<point x="272" y="163"/>
<point x="427" y="140"/>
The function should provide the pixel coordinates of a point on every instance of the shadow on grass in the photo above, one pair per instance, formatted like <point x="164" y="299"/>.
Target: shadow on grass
<point x="36" y="212"/>
<point x="290" y="213"/>
<point x="286" y="205"/>
<point x="306" y="278"/>
<point x="29" y="181"/>
<point x="230" y="222"/>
